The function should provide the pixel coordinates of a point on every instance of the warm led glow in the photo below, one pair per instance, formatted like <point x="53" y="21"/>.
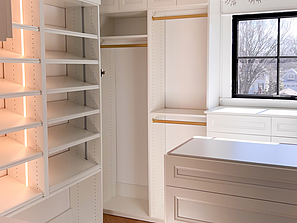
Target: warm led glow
<point x="27" y="175"/>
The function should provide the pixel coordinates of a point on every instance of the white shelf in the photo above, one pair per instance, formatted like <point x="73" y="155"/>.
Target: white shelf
<point x="56" y="57"/>
<point x="13" y="153"/>
<point x="117" y="40"/>
<point x="14" y="195"/>
<point x="64" y="136"/>
<point x="13" y="122"/>
<point x="62" y="84"/>
<point x="127" y="207"/>
<point x="180" y="112"/>
<point x="9" y="89"/>
<point x="64" y="110"/>
<point x="12" y="57"/>
<point x="67" y="169"/>
<point x="25" y="27"/>
<point x="61" y="31"/>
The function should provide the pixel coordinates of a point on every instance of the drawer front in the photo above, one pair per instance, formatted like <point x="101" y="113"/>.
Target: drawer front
<point x="284" y="127"/>
<point x="197" y="206"/>
<point x="239" y="124"/>
<point x="258" y="182"/>
<point x="284" y="140"/>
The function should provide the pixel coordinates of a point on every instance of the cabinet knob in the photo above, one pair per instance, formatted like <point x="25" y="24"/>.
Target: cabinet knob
<point x="102" y="72"/>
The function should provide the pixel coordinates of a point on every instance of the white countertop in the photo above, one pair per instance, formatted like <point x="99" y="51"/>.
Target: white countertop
<point x="235" y="151"/>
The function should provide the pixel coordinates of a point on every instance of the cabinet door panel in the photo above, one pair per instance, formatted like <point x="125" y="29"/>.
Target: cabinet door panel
<point x="109" y="6"/>
<point x="284" y="127"/>
<point x="239" y="124"/>
<point x="190" y="2"/>
<point x="130" y="5"/>
<point x="161" y="3"/>
<point x="239" y="137"/>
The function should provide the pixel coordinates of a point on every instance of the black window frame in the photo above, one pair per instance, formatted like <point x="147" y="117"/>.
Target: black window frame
<point x="235" y="58"/>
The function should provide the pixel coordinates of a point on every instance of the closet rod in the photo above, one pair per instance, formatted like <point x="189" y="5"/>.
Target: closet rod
<point x="179" y="17"/>
<point x="179" y="122"/>
<point x="123" y="45"/>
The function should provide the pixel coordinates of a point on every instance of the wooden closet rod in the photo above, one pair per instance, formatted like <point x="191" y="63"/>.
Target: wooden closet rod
<point x="179" y="17"/>
<point x="179" y="122"/>
<point x="123" y="45"/>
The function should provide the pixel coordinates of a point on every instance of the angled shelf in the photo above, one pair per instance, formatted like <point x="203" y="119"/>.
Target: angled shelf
<point x="67" y="169"/>
<point x="60" y="57"/>
<point x="62" y="84"/>
<point x="14" y="122"/>
<point x="67" y="135"/>
<point x="9" y="89"/>
<point x="180" y="112"/>
<point x="58" y="111"/>
<point x="63" y="31"/>
<point x="13" y="153"/>
<point x="15" y="194"/>
<point x="25" y="27"/>
<point x="7" y="56"/>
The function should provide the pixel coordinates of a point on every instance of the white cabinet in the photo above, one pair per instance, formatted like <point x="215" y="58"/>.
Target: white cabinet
<point x="50" y="105"/>
<point x="240" y="182"/>
<point x="108" y="6"/>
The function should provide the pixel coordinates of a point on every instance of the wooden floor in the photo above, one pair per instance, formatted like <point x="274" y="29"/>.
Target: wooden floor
<point x="114" y="219"/>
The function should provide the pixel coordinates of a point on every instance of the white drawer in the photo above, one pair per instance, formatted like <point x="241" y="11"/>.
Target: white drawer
<point x="286" y="127"/>
<point x="197" y="206"/>
<point x="239" y="124"/>
<point x="284" y="140"/>
<point x="238" y="179"/>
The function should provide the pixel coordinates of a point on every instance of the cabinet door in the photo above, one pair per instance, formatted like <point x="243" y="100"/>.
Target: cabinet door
<point x="161" y="3"/>
<point x="131" y="5"/>
<point x="109" y="6"/>
<point x="190" y="2"/>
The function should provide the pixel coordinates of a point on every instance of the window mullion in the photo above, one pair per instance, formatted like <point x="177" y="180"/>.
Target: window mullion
<point x="278" y="57"/>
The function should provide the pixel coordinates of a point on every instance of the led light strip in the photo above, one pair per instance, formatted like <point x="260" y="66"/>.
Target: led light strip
<point x="24" y="84"/>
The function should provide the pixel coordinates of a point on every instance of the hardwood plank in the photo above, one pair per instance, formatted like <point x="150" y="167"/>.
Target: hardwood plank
<point x="115" y="219"/>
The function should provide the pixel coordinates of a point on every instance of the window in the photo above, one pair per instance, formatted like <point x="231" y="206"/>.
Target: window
<point x="264" y="55"/>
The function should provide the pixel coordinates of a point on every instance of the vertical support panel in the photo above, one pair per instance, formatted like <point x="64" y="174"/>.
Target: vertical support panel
<point x="74" y="19"/>
<point x="18" y="172"/>
<point x="214" y="36"/>
<point x="13" y="72"/>
<point x="14" y="44"/>
<point x="86" y="200"/>
<point x="31" y="13"/>
<point x="156" y="92"/>
<point x="36" y="174"/>
<point x="109" y="124"/>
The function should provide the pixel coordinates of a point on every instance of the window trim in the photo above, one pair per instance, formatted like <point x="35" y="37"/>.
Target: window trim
<point x="235" y="20"/>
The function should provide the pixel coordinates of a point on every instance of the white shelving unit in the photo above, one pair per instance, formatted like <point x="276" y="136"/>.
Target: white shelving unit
<point x="50" y="119"/>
